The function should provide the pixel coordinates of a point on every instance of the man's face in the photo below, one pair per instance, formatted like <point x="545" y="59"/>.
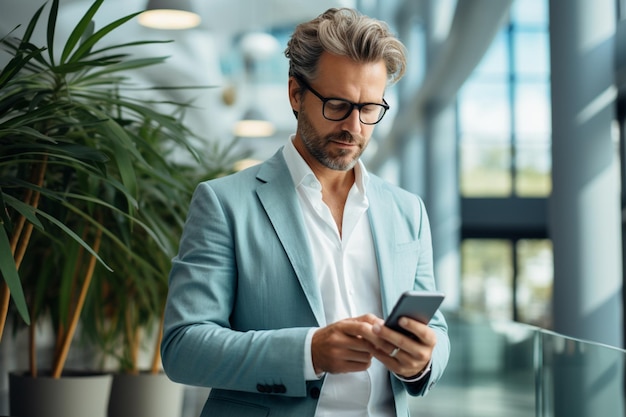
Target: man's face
<point x="337" y="145"/>
<point x="334" y="150"/>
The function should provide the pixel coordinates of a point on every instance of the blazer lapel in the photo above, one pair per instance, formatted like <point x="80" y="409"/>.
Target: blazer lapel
<point x="383" y="234"/>
<point x="280" y="201"/>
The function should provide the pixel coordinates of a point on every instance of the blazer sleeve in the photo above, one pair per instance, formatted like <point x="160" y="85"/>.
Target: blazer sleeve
<point x="206" y="341"/>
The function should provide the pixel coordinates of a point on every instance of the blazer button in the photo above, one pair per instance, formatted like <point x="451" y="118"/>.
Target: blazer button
<point x="314" y="393"/>
<point x="262" y="388"/>
<point x="279" y="388"/>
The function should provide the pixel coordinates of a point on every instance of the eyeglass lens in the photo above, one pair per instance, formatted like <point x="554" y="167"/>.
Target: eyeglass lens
<point x="337" y="109"/>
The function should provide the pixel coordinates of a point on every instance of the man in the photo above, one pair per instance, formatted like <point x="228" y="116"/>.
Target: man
<point x="286" y="269"/>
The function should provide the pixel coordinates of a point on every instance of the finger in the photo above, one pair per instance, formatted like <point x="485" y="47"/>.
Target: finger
<point x="424" y="334"/>
<point x="360" y="330"/>
<point x="419" y="332"/>
<point x="394" y="352"/>
<point x="379" y="340"/>
<point x="369" y="318"/>
<point x="402" y="363"/>
<point x="393" y="360"/>
<point x="410" y="348"/>
<point x="384" y="336"/>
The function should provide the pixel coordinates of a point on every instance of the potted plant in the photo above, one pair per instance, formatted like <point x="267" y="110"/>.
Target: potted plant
<point x="73" y="163"/>
<point x="127" y="316"/>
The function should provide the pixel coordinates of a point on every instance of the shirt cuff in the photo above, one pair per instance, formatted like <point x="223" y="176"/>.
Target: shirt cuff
<point x="309" y="371"/>
<point x="419" y="376"/>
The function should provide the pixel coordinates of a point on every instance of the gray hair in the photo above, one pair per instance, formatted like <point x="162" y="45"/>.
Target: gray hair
<point x="344" y="32"/>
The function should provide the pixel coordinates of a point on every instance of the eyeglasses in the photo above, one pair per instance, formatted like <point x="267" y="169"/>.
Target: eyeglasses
<point x="337" y="109"/>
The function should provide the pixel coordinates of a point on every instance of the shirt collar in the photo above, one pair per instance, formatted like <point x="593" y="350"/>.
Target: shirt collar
<point x="300" y="170"/>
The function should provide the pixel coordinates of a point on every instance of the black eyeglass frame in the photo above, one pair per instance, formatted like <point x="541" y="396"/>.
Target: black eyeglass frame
<point x="384" y="105"/>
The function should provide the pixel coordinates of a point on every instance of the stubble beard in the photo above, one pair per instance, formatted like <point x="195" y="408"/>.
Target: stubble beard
<point x="342" y="160"/>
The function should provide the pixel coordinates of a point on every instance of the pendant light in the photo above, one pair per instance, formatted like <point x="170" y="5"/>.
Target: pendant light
<point x="169" y="14"/>
<point x="253" y="124"/>
<point x="255" y="47"/>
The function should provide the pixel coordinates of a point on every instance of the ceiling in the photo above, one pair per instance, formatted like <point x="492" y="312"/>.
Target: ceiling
<point x="196" y="57"/>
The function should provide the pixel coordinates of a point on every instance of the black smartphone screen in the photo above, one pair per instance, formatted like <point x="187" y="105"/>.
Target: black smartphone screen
<point x="418" y="305"/>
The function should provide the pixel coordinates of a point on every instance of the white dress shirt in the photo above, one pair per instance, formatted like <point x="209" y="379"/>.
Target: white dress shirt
<point x="347" y="274"/>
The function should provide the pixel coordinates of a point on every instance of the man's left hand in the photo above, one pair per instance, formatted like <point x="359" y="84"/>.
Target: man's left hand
<point x="403" y="355"/>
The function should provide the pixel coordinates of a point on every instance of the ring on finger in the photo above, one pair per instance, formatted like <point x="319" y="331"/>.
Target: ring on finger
<point x="394" y="352"/>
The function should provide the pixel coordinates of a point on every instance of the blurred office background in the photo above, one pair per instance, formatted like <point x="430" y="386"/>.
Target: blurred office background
<point x="509" y="123"/>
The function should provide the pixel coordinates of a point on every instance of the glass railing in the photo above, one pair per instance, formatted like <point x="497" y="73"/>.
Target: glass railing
<point x="578" y="378"/>
<point x="515" y="370"/>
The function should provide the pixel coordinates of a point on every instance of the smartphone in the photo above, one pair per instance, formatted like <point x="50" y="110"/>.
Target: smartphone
<point x="418" y="305"/>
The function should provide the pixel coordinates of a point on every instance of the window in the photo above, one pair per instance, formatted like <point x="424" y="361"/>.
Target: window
<point x="504" y="111"/>
<point x="487" y="284"/>
<point x="506" y="279"/>
<point x="505" y="173"/>
<point x="533" y="286"/>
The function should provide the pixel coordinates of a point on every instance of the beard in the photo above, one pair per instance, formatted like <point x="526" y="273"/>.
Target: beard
<point x="320" y="147"/>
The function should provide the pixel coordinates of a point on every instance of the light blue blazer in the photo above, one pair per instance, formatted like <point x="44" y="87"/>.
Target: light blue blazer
<point x="242" y="295"/>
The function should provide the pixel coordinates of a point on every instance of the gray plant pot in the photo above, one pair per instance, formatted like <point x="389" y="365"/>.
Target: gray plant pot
<point x="72" y="395"/>
<point x="145" y="395"/>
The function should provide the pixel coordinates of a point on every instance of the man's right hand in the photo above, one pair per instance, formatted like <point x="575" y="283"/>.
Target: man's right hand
<point x="341" y="348"/>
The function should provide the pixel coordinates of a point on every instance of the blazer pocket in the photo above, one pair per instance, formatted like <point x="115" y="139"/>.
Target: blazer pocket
<point x="405" y="262"/>
<point x="408" y="246"/>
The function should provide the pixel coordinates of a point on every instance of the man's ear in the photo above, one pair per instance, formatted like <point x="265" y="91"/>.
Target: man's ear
<point x="295" y="95"/>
